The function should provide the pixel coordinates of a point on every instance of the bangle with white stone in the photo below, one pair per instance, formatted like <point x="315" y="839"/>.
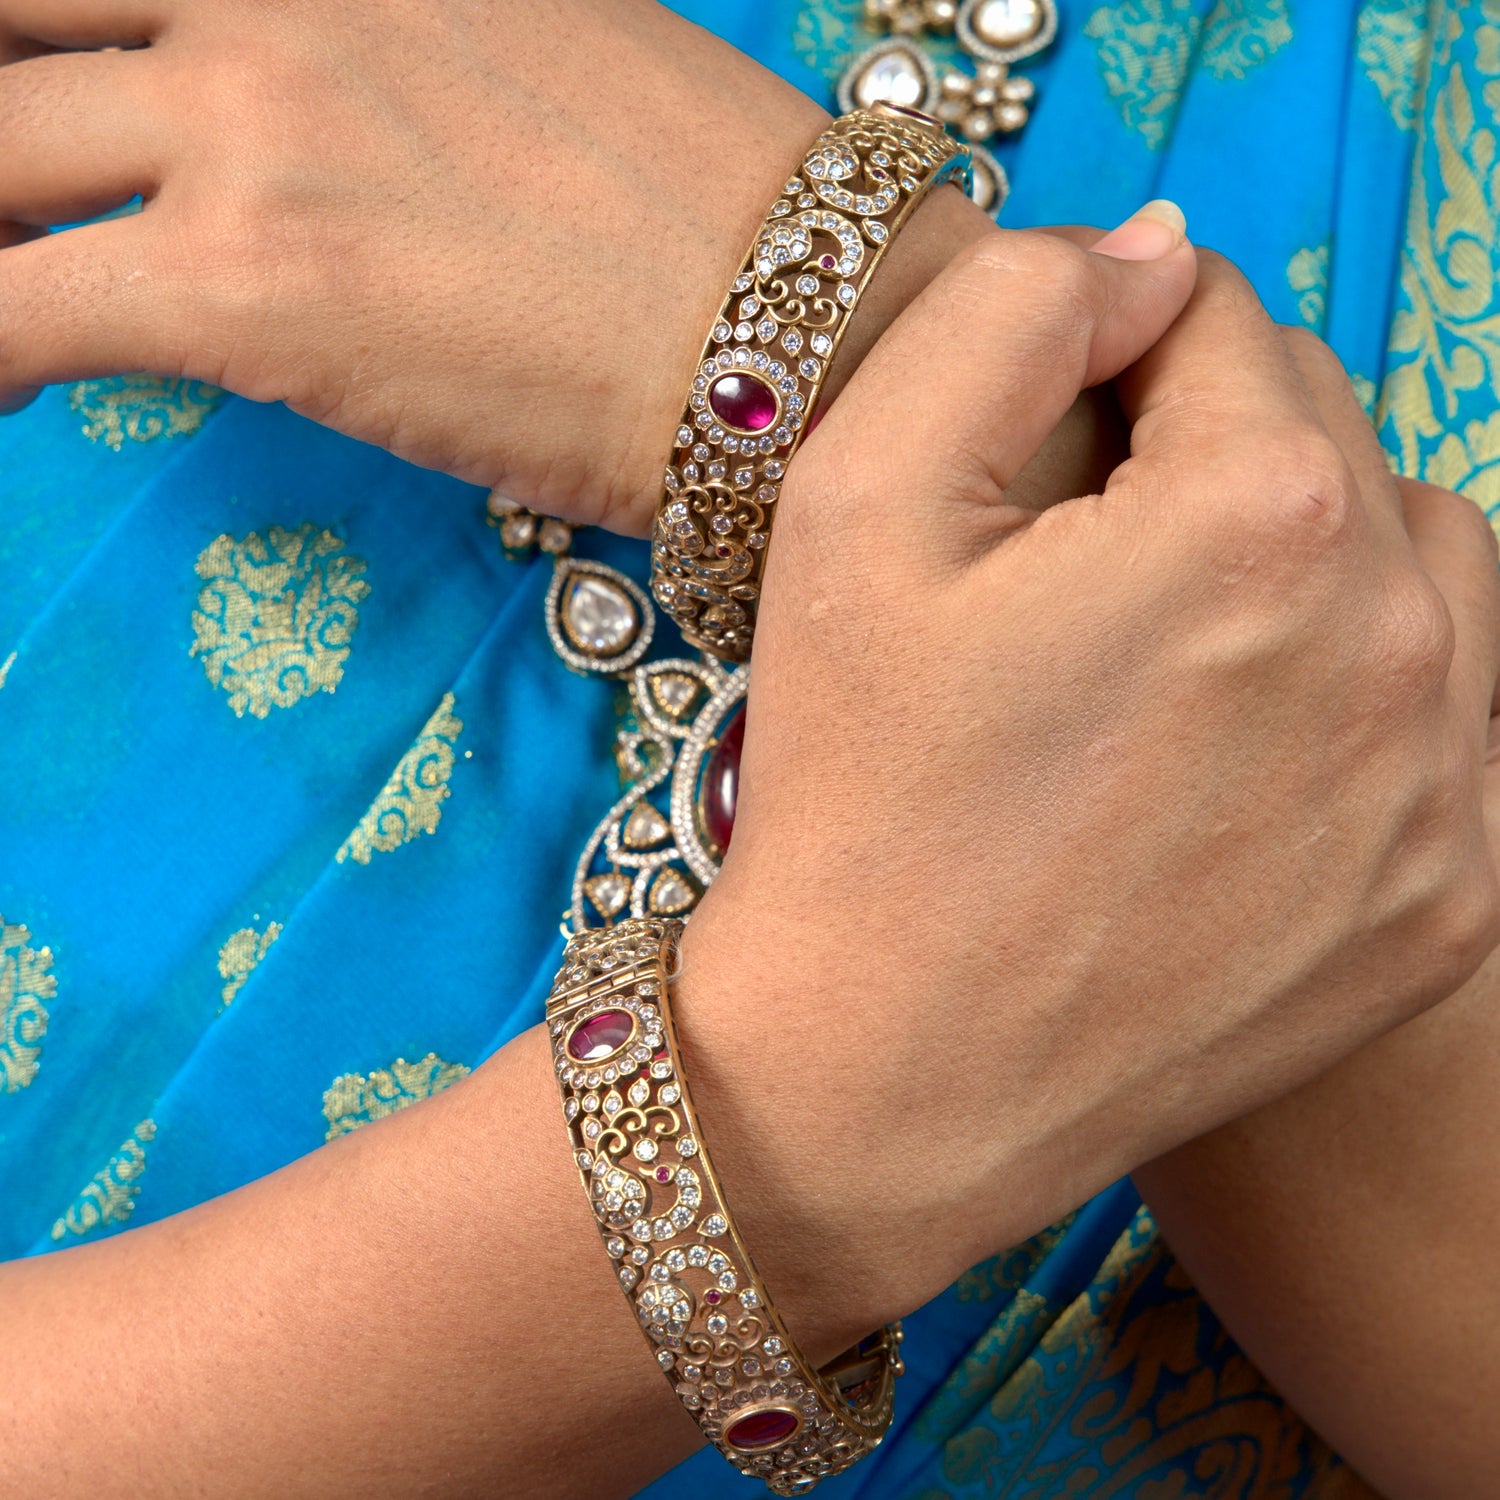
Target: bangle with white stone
<point x="679" y="1258"/>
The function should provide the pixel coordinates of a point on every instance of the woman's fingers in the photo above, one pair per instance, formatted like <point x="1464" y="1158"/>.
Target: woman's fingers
<point x="84" y="23"/>
<point x="1221" y="396"/>
<point x="100" y="300"/>
<point x="79" y="137"/>
<point x="986" y="362"/>
<point x="1454" y="542"/>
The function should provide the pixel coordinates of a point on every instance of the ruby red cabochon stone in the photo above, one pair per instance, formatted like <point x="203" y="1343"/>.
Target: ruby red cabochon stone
<point x="721" y="782"/>
<point x="743" y="402"/>
<point x="762" y="1429"/>
<point x="601" y="1035"/>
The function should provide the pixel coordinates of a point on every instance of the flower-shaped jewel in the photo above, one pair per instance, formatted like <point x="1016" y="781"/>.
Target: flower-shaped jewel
<point x="986" y="103"/>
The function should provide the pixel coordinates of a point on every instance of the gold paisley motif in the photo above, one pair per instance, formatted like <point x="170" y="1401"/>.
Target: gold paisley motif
<point x="353" y="1100"/>
<point x="141" y="408"/>
<point x="110" y="1196"/>
<point x="411" y="802"/>
<point x="1145" y="47"/>
<point x="276" y="616"/>
<point x="1391" y="45"/>
<point x="1132" y="1390"/>
<point x="1241" y="34"/>
<point x="1307" y="275"/>
<point x="1445" y="338"/>
<point x="240" y="955"/>
<point x="26" y="984"/>
<point x="1469" y="461"/>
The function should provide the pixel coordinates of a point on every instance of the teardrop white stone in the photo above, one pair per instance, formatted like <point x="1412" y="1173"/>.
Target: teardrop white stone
<point x="599" y="616"/>
<point x="891" y="77"/>
<point x="1007" y="23"/>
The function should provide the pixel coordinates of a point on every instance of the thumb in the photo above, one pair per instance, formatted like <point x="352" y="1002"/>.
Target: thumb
<point x="971" y="379"/>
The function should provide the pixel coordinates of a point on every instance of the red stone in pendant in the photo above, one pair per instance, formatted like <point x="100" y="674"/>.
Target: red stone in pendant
<point x="743" y="402"/>
<point x="762" y="1429"/>
<point x="664" y="1174"/>
<point x="828" y="263"/>
<point x="721" y="783"/>
<point x="601" y="1036"/>
<point x="714" y="1296"/>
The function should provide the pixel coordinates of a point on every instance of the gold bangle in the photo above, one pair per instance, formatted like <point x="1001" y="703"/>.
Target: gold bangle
<point x="661" y="1213"/>
<point x="766" y="358"/>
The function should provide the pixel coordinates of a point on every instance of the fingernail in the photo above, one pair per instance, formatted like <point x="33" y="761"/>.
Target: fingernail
<point x="1149" y="233"/>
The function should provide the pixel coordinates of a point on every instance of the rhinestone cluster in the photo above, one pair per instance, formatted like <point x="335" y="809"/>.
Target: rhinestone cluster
<point x="767" y="357"/>
<point x="661" y="1216"/>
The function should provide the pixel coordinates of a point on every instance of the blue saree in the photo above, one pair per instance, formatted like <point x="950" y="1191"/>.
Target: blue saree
<point x="292" y="782"/>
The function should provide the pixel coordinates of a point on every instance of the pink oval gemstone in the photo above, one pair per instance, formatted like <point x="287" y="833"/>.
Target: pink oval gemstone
<point x="762" y="1429"/>
<point x="721" y="783"/>
<point x="664" y="1174"/>
<point x="601" y="1036"/>
<point x="743" y="402"/>
<point x="828" y="263"/>
<point x="714" y="1296"/>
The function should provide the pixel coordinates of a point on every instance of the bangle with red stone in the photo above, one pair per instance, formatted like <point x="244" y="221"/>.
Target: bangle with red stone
<point x="662" y="1217"/>
<point x="767" y="356"/>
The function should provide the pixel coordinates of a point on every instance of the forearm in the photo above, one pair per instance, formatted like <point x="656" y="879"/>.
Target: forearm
<point x="1346" y="1236"/>
<point x="422" y="1307"/>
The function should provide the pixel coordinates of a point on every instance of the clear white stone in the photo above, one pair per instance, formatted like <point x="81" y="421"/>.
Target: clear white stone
<point x="1007" y="23"/>
<point x="612" y="1103"/>
<point x="645" y="1150"/>
<point x="714" y="1225"/>
<point x="599" y="616"/>
<point x="697" y="1256"/>
<point x="640" y="1091"/>
<point x="687" y="1146"/>
<point x="670" y="1094"/>
<point x="893" y="77"/>
<point x="822" y="344"/>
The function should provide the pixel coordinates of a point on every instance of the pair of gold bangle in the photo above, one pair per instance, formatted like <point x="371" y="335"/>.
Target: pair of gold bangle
<point x="659" y="1207"/>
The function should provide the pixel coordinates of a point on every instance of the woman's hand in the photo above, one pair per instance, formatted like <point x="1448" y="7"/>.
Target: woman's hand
<point x="1079" y="833"/>
<point x="490" y="237"/>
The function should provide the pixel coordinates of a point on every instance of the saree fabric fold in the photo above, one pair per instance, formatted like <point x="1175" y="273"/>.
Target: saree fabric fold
<point x="292" y="782"/>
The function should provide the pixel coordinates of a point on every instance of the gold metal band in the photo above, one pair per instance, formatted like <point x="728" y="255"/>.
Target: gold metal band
<point x="662" y="1216"/>
<point x="767" y="357"/>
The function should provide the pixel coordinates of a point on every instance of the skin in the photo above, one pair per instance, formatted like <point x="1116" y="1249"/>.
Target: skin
<point x="1284" y="633"/>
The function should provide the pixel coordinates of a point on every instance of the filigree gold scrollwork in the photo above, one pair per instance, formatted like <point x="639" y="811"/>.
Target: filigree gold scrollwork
<point x="766" y="358"/>
<point x="683" y="1267"/>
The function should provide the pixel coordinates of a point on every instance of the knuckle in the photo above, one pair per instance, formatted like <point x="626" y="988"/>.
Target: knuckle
<point x="1464" y="926"/>
<point x="1416" y="638"/>
<point x="1320" y="366"/>
<point x="1304" y="490"/>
